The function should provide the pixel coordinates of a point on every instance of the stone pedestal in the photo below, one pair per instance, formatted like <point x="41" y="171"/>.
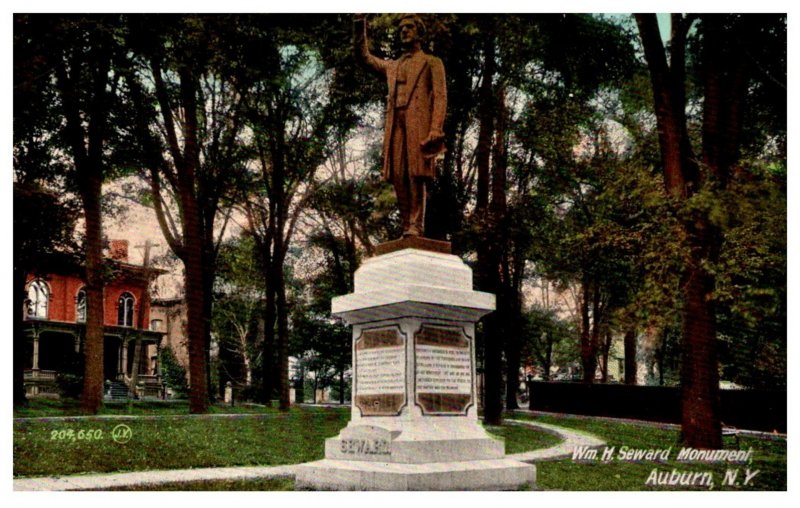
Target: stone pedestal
<point x="414" y="416"/>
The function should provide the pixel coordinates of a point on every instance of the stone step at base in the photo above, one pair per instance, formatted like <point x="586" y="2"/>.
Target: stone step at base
<point x="495" y="474"/>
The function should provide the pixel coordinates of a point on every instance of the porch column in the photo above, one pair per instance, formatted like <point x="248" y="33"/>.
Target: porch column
<point x="124" y="369"/>
<point x="36" y="351"/>
<point x="119" y="358"/>
<point x="77" y="338"/>
<point x="158" y="360"/>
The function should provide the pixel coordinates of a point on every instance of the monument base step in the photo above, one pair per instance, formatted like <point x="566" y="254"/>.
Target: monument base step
<point x="495" y="474"/>
<point x="419" y="450"/>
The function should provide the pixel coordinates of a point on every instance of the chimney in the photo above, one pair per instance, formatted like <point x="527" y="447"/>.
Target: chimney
<point x="118" y="250"/>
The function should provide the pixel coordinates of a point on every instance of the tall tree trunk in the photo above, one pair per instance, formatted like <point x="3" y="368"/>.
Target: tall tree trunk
<point x="87" y="146"/>
<point x="92" y="395"/>
<point x="486" y="114"/>
<point x="196" y="305"/>
<point x="700" y="416"/>
<point x="588" y="352"/>
<point x="508" y="298"/>
<point x="250" y="337"/>
<point x="725" y="87"/>
<point x="488" y="277"/>
<point x="299" y="387"/>
<point x="268" y="345"/>
<point x="597" y="323"/>
<point x="283" y="345"/>
<point x="661" y="357"/>
<point x="268" y="351"/>
<point x="548" y="357"/>
<point x="512" y="376"/>
<point x="208" y="305"/>
<point x="605" y="350"/>
<point x="630" y="357"/>
<point x="193" y="234"/>
<point x="316" y="386"/>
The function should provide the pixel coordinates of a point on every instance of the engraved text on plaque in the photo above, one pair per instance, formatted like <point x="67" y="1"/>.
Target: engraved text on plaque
<point x="380" y="381"/>
<point x="443" y="370"/>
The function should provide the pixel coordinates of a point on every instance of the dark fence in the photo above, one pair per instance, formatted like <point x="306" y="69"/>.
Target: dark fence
<point x="745" y="409"/>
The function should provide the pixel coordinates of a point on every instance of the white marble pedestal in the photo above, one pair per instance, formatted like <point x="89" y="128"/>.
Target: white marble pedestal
<point x="414" y="417"/>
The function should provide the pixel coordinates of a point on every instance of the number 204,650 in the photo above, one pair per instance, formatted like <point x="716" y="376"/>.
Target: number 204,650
<point x="71" y="435"/>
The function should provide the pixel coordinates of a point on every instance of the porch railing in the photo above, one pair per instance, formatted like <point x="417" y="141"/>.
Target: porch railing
<point x="41" y="383"/>
<point x="43" y="375"/>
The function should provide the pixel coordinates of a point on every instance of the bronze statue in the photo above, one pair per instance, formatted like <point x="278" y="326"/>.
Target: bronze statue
<point x="415" y="113"/>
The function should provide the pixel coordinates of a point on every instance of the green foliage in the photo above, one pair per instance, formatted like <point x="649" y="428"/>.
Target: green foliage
<point x="44" y="224"/>
<point x="284" y="104"/>
<point x="660" y="351"/>
<point x="323" y="348"/>
<point x="237" y="315"/>
<point x="173" y="373"/>
<point x="548" y="341"/>
<point x="70" y="385"/>
<point x="751" y="281"/>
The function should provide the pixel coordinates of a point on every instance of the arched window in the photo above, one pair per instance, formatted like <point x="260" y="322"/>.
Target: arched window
<point x="125" y="310"/>
<point x="80" y="306"/>
<point x="38" y="299"/>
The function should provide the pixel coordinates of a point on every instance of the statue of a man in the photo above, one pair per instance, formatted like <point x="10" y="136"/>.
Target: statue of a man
<point x="415" y="113"/>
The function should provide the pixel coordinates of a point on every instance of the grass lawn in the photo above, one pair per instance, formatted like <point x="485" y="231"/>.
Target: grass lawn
<point x="44" y="447"/>
<point x="520" y="438"/>
<point x="265" y="436"/>
<point x="769" y="458"/>
<point x="71" y="407"/>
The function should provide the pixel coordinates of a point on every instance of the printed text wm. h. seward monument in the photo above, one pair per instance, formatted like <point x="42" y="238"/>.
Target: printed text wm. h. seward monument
<point x="414" y="415"/>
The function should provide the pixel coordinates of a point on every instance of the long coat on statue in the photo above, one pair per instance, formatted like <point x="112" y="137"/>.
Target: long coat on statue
<point x="425" y="113"/>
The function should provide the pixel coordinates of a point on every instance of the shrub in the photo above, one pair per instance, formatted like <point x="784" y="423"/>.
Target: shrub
<point x="173" y="373"/>
<point x="69" y="385"/>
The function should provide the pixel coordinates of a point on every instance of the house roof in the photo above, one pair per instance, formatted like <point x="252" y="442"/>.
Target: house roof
<point x="63" y="263"/>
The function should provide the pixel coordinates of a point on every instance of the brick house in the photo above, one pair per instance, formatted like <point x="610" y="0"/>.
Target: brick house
<point x="54" y="323"/>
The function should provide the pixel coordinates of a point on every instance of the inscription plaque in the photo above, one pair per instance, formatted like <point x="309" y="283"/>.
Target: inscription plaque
<point x="443" y="370"/>
<point x="380" y="381"/>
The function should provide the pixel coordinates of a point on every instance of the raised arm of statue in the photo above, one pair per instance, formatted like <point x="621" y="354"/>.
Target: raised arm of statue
<point x="362" y="46"/>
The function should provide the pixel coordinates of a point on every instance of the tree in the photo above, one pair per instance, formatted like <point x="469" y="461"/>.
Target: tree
<point x="80" y="55"/>
<point x="728" y="65"/>
<point x="43" y="219"/>
<point x="189" y="128"/>
<point x="751" y="281"/>
<point x="296" y="117"/>
<point x="238" y="309"/>
<point x="545" y="340"/>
